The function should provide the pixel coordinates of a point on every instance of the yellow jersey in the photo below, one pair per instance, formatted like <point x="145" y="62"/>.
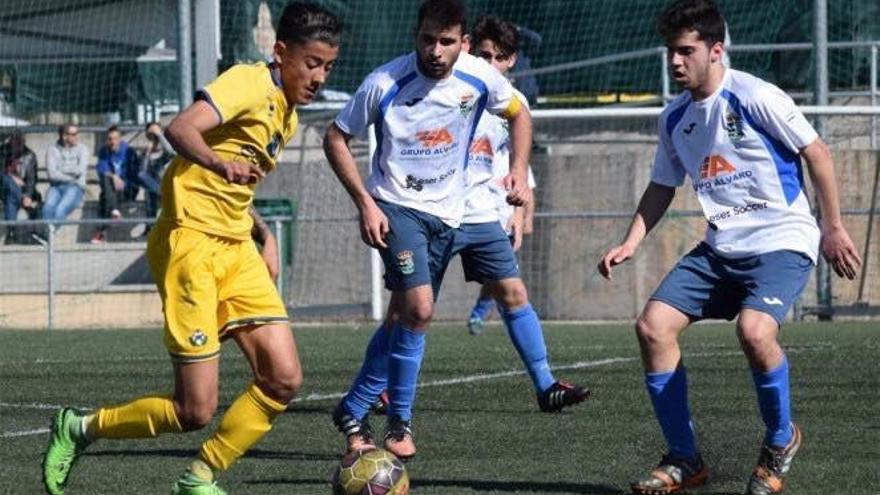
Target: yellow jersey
<point x="256" y="123"/>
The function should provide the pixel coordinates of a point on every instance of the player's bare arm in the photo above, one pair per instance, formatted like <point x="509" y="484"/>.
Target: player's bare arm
<point x="185" y="136"/>
<point x="529" y="216"/>
<point x="653" y="205"/>
<point x="521" y="145"/>
<point x="262" y="234"/>
<point x="374" y="223"/>
<point x="837" y="247"/>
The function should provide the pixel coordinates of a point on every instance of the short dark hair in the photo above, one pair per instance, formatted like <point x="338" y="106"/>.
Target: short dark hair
<point x="304" y="22"/>
<point x="702" y="16"/>
<point x="445" y="13"/>
<point x="503" y="33"/>
<point x="113" y="128"/>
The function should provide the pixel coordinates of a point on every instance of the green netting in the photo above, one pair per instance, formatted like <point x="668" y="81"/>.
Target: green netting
<point x="99" y="56"/>
<point x="377" y="30"/>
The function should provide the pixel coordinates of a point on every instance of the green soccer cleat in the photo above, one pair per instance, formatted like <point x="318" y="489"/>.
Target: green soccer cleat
<point x="190" y="484"/>
<point x="63" y="451"/>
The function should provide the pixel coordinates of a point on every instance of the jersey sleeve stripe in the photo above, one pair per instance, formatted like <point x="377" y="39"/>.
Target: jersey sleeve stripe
<point x="788" y="164"/>
<point x="384" y="103"/>
<point x="480" y="86"/>
<point x="203" y="95"/>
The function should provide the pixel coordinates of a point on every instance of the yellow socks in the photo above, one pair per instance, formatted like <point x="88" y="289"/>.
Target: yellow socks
<point x="244" y="424"/>
<point x="145" y="417"/>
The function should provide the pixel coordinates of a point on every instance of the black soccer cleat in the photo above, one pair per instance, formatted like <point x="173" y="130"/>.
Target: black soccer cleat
<point x="358" y="433"/>
<point x="561" y="395"/>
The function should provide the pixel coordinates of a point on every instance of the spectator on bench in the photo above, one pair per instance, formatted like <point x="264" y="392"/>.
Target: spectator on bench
<point x="19" y="185"/>
<point x="118" y="176"/>
<point x="154" y="158"/>
<point x="66" y="164"/>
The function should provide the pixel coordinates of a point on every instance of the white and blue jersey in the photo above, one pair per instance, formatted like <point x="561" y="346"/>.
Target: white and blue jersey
<point x="489" y="163"/>
<point x="741" y="149"/>
<point x="424" y="128"/>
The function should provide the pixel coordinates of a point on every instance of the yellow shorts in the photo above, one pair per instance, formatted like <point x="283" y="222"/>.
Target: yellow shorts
<point x="209" y="286"/>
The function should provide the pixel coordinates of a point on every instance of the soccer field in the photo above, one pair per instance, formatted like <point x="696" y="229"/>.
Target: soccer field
<point x="477" y="425"/>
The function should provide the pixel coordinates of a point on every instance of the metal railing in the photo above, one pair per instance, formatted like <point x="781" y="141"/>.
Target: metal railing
<point x="47" y="237"/>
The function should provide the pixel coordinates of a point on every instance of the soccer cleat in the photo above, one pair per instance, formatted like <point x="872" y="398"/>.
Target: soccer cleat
<point x="399" y="439"/>
<point x="62" y="452"/>
<point x="476" y="326"/>
<point x="672" y="475"/>
<point x="773" y="465"/>
<point x="190" y="484"/>
<point x="358" y="434"/>
<point x="380" y="407"/>
<point x="561" y="395"/>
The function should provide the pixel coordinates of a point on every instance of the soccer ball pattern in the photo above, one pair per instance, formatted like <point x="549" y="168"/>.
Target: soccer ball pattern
<point x="370" y="472"/>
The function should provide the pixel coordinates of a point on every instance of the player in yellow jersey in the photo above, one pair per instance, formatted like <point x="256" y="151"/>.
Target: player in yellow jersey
<point x="211" y="278"/>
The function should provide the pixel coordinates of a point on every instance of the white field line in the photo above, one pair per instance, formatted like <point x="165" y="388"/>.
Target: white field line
<point x="37" y="405"/>
<point x="434" y="383"/>
<point x="123" y="359"/>
<point x="25" y="433"/>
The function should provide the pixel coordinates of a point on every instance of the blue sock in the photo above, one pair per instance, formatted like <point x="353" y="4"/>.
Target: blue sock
<point x="407" y="349"/>
<point x="528" y="338"/>
<point x="773" y="400"/>
<point x="668" y="391"/>
<point x="373" y="376"/>
<point x="482" y="308"/>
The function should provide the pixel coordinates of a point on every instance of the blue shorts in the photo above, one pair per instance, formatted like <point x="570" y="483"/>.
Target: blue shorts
<point x="706" y="285"/>
<point x="486" y="252"/>
<point x="419" y="245"/>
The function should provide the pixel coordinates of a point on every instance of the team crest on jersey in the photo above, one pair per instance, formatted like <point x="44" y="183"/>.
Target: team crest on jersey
<point x="466" y="103"/>
<point x="733" y="124"/>
<point x="198" y="338"/>
<point x="274" y="146"/>
<point x="405" y="262"/>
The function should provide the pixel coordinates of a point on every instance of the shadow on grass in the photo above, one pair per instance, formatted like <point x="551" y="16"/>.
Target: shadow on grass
<point x="298" y="408"/>
<point x="517" y="486"/>
<point x="190" y="453"/>
<point x="475" y="485"/>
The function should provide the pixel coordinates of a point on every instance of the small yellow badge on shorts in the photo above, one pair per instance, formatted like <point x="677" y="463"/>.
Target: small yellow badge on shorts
<point x="198" y="338"/>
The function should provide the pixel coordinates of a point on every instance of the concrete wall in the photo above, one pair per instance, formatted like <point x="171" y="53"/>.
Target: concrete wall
<point x="109" y="285"/>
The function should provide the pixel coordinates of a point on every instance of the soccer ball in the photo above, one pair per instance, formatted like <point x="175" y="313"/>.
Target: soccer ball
<point x="370" y="471"/>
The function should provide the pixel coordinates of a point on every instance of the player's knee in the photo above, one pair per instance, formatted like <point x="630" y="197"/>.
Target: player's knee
<point x="650" y="333"/>
<point x="511" y="294"/>
<point x="195" y="416"/>
<point x="283" y="385"/>
<point x="756" y="331"/>
<point x="753" y="337"/>
<point x="418" y="315"/>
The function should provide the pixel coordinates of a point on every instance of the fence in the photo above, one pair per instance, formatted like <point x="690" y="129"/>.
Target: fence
<point x="591" y="168"/>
